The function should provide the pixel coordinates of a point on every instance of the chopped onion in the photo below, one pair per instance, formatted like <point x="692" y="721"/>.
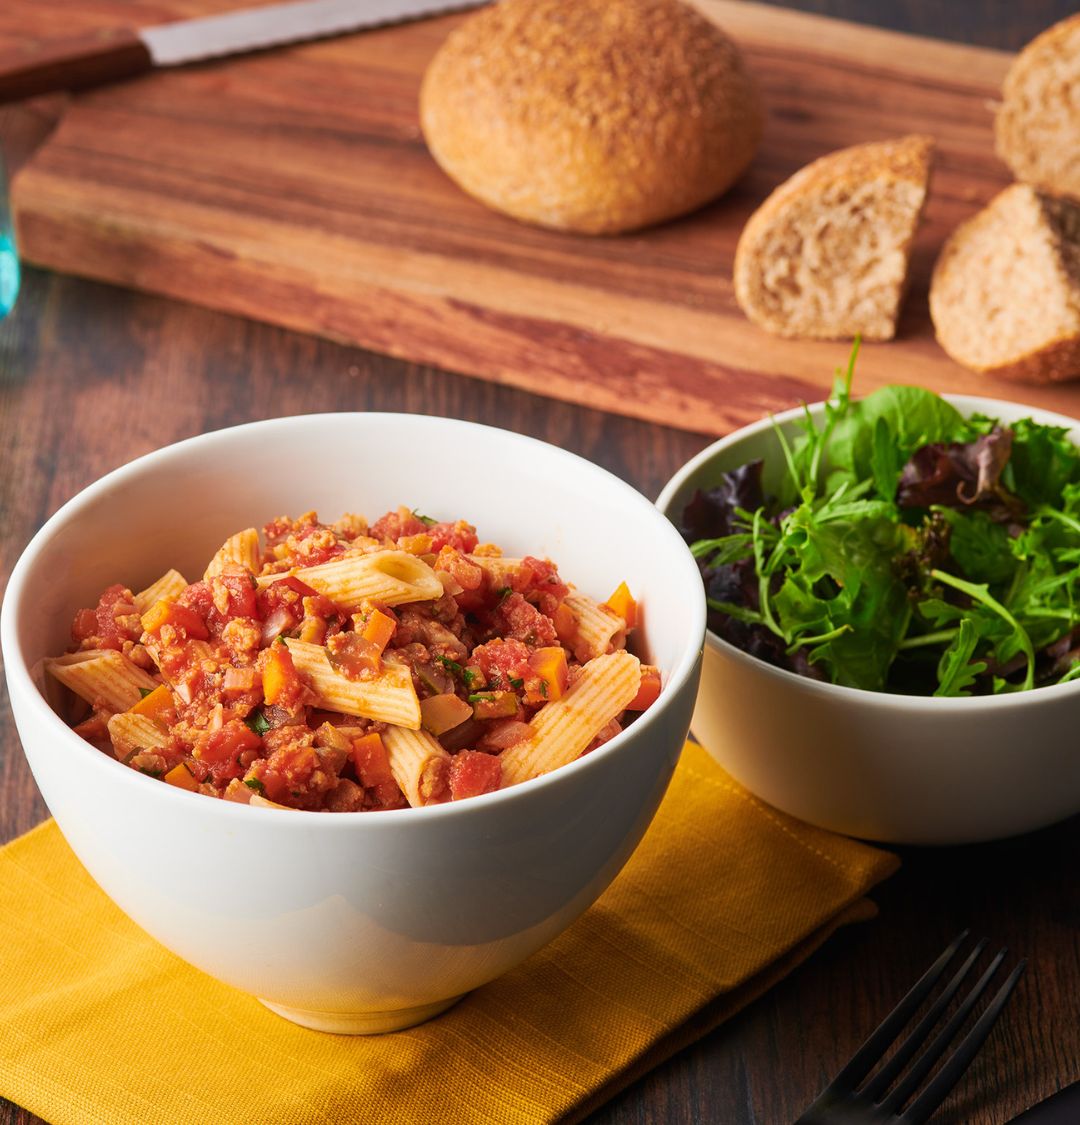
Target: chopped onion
<point x="504" y="733"/>
<point x="278" y="621"/>
<point x="238" y="679"/>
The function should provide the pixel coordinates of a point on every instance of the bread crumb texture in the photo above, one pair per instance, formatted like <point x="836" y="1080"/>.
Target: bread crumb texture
<point x="1005" y="294"/>
<point x="595" y="116"/>
<point x="826" y="255"/>
<point x="1037" y="128"/>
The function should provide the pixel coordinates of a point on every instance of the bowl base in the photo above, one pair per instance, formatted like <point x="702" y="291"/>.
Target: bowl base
<point x="360" y="1023"/>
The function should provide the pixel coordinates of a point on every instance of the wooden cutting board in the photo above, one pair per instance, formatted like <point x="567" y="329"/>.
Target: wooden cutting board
<point x="294" y="187"/>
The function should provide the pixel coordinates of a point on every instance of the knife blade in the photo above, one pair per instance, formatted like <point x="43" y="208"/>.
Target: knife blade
<point x="1062" y="1108"/>
<point x="114" y="54"/>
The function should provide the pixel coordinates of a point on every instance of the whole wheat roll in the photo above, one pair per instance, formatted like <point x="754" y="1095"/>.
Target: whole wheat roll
<point x="1037" y="127"/>
<point x="596" y="116"/>
<point x="1005" y="291"/>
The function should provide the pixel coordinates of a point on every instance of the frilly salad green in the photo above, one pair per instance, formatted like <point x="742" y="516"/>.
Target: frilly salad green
<point x="908" y="549"/>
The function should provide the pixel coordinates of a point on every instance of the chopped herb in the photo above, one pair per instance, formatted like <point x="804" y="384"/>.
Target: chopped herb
<point x="468" y="675"/>
<point x="451" y="665"/>
<point x="478" y="696"/>
<point x="257" y="722"/>
<point x="543" y="688"/>
<point x="280" y="639"/>
<point x="256" y="784"/>
<point x="144" y="692"/>
<point x="427" y="521"/>
<point x="516" y="684"/>
<point x="504" y="592"/>
<point x="150" y="772"/>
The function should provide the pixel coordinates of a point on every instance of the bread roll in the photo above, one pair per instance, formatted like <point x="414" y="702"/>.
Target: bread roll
<point x="595" y="116"/>
<point x="826" y="255"/>
<point x="1005" y="294"/>
<point x="1037" y="128"/>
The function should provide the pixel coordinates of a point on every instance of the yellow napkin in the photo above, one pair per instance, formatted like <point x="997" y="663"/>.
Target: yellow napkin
<point x="100" y="1025"/>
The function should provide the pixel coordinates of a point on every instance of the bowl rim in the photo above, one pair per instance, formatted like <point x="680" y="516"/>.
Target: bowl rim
<point x="21" y="680"/>
<point x="970" y="404"/>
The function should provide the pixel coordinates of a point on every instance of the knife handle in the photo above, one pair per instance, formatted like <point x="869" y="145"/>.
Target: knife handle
<point x="44" y="66"/>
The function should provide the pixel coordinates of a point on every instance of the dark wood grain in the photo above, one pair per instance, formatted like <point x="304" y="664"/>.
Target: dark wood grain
<point x="84" y="371"/>
<point x="295" y="187"/>
<point x="71" y="63"/>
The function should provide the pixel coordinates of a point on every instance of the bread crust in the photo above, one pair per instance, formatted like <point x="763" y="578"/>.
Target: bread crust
<point x="596" y="116"/>
<point x="1037" y="126"/>
<point x="1056" y="362"/>
<point x="865" y="170"/>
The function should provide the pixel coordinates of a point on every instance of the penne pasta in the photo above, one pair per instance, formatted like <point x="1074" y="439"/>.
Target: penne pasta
<point x="420" y="765"/>
<point x="241" y="549"/>
<point x="166" y="589"/>
<point x="387" y="577"/>
<point x="388" y="698"/>
<point x="304" y="689"/>
<point x="102" y="677"/>
<point x="131" y="732"/>
<point x="562" y="730"/>
<point x="598" y="628"/>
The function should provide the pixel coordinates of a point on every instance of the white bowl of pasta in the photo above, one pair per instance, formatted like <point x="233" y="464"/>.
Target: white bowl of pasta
<point x="307" y="707"/>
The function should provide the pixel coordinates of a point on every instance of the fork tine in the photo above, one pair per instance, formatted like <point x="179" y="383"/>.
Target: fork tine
<point x="938" y="1045"/>
<point x="884" y="1078"/>
<point x="946" y="1078"/>
<point x="891" y="1026"/>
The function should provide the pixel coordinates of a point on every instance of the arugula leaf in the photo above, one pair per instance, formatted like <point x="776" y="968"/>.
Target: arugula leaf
<point x="956" y="671"/>
<point x="1017" y="641"/>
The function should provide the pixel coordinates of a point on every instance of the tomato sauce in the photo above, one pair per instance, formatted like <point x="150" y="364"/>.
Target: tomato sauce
<point x="241" y="721"/>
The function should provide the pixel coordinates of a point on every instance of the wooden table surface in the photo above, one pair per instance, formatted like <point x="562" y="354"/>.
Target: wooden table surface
<point x="91" y="377"/>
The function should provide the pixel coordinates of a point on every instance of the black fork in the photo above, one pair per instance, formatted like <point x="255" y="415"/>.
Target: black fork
<point x="855" y="1097"/>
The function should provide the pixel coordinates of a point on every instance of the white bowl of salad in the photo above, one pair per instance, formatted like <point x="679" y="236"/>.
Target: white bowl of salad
<point x="894" y="612"/>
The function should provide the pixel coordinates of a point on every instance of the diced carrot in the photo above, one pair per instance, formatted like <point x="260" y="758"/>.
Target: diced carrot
<point x="622" y="603"/>
<point x="178" y="616"/>
<point x="494" y="704"/>
<point x="440" y="713"/>
<point x="156" y="616"/>
<point x="180" y="776"/>
<point x="378" y="629"/>
<point x="155" y="705"/>
<point x="565" y="621"/>
<point x="549" y="664"/>
<point x="648" y="691"/>
<point x="371" y="761"/>
<point x="353" y="655"/>
<point x="277" y="672"/>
